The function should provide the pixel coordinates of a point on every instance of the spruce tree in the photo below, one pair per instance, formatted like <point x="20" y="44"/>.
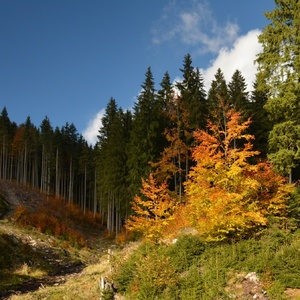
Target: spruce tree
<point x="145" y="135"/>
<point x="112" y="165"/>
<point x="164" y="97"/>
<point x="69" y="154"/>
<point x="279" y="78"/>
<point x="218" y="99"/>
<point x="218" y="90"/>
<point x="260" y="125"/>
<point x="193" y="95"/>
<point x="238" y="95"/>
<point x="6" y="134"/>
<point x="46" y="135"/>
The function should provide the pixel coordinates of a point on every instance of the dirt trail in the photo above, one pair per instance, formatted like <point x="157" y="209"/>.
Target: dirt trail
<point x="62" y="265"/>
<point x="60" y="277"/>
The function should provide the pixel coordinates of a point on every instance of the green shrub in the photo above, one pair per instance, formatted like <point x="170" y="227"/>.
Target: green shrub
<point x="191" y="284"/>
<point x="154" y="276"/>
<point x="185" y="252"/>
<point x="124" y="269"/>
<point x="286" y="265"/>
<point x="276" y="291"/>
<point x="107" y="294"/>
<point x="294" y="209"/>
<point x="192" y="270"/>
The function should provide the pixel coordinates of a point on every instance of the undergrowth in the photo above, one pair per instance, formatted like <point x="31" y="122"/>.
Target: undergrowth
<point x="192" y="270"/>
<point x="3" y="205"/>
<point x="59" y="219"/>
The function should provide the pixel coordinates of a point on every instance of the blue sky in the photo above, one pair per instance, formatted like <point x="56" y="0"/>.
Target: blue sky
<point x="67" y="58"/>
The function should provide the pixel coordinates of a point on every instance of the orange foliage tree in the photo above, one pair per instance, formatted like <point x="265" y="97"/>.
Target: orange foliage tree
<point x="227" y="196"/>
<point x="173" y="165"/>
<point x="153" y="210"/>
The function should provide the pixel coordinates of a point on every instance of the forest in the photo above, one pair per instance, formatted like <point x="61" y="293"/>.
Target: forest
<point x="184" y="152"/>
<point x="192" y="194"/>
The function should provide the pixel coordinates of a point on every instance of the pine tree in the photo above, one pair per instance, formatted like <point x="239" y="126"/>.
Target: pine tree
<point x="164" y="97"/>
<point x="84" y="173"/>
<point x="6" y="133"/>
<point x="30" y="154"/>
<point x="145" y="135"/>
<point x="260" y="125"/>
<point x="218" y="91"/>
<point x="186" y="113"/>
<point x="193" y="95"/>
<point x="279" y="77"/>
<point x="69" y="155"/>
<point x="59" y="165"/>
<point x="238" y="95"/>
<point x="46" y="135"/>
<point x="112" y="165"/>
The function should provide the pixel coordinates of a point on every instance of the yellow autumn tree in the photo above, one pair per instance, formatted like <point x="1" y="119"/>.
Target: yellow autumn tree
<point x="227" y="196"/>
<point x="153" y="210"/>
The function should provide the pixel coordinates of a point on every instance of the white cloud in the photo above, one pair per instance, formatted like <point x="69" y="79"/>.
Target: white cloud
<point x="193" y="23"/>
<point x="240" y="57"/>
<point x="92" y="130"/>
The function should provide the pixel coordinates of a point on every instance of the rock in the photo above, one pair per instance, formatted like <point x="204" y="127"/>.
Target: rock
<point x="252" y="287"/>
<point x="252" y="277"/>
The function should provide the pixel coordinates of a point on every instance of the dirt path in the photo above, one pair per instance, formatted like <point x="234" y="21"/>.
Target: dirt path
<point x="62" y="265"/>
<point x="59" y="277"/>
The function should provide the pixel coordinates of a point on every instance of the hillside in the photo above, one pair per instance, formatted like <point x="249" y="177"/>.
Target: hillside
<point x="32" y="260"/>
<point x="37" y="265"/>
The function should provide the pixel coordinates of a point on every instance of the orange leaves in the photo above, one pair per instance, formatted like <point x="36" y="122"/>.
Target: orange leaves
<point x="153" y="210"/>
<point x="228" y="196"/>
<point x="55" y="217"/>
<point x="273" y="190"/>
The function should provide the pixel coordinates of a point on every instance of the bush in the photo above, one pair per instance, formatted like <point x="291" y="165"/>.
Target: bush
<point x="294" y="209"/>
<point x="190" y="270"/>
<point x="124" y="269"/>
<point x="154" y="276"/>
<point x="191" y="284"/>
<point x="185" y="252"/>
<point x="48" y="219"/>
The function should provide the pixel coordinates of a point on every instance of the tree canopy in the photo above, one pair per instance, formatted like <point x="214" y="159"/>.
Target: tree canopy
<point x="278" y="77"/>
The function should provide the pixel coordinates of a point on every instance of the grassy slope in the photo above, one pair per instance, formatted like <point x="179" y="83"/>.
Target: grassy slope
<point x="32" y="260"/>
<point x="191" y="271"/>
<point x="187" y="269"/>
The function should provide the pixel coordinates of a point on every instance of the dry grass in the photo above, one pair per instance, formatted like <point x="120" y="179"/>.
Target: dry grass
<point x="26" y="270"/>
<point x="81" y="286"/>
<point x="84" y="285"/>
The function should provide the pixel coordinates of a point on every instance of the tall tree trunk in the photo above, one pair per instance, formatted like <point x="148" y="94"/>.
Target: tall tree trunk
<point x="95" y="194"/>
<point x="24" y="177"/>
<point x="84" y="196"/>
<point x="57" y="181"/>
<point x="71" y="181"/>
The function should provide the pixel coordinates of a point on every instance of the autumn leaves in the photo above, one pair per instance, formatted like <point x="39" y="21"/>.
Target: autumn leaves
<point x="225" y="196"/>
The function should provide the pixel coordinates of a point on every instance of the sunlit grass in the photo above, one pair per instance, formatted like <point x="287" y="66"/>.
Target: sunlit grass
<point x="82" y="286"/>
<point x="26" y="270"/>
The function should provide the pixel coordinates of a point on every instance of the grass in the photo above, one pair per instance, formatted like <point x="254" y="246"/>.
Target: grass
<point x="32" y="272"/>
<point x="212" y="271"/>
<point x="82" y="286"/>
<point x="186" y="270"/>
<point x="28" y="254"/>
